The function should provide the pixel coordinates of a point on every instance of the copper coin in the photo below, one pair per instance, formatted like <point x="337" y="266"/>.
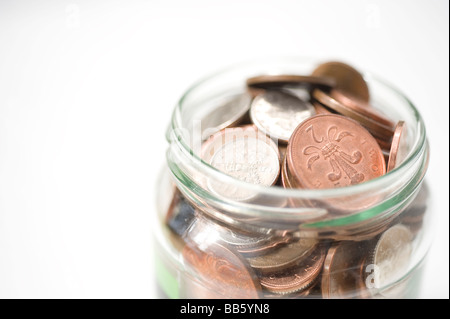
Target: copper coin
<point x="361" y="107"/>
<point x="320" y="109"/>
<point x="398" y="147"/>
<point x="378" y="129"/>
<point x="288" y="80"/>
<point x="329" y="151"/>
<point x="285" y="178"/>
<point x="341" y="276"/>
<point x="297" y="278"/>
<point x="347" y="78"/>
<point x="284" y="256"/>
<point x="225" y="273"/>
<point x="385" y="147"/>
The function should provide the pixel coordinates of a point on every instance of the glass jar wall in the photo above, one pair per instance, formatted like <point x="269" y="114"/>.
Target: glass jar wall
<point x="361" y="241"/>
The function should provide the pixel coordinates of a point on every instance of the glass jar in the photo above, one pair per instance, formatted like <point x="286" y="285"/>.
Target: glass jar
<point x="287" y="243"/>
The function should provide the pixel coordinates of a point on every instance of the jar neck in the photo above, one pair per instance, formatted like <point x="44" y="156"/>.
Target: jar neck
<point x="300" y="212"/>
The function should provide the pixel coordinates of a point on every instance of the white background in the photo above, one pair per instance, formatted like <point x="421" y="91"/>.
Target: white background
<point x="86" y="93"/>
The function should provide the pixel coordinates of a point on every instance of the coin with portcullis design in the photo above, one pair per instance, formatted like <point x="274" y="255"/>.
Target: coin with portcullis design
<point x="329" y="151"/>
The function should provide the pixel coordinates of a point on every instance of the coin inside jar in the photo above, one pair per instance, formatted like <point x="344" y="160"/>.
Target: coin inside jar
<point x="391" y="255"/>
<point x="329" y="151"/>
<point x="298" y="277"/>
<point x="223" y="271"/>
<point x="341" y="276"/>
<point x="365" y="116"/>
<point x="277" y="114"/>
<point x="229" y="113"/>
<point x="289" y="81"/>
<point x="284" y="256"/>
<point x="347" y="78"/>
<point x="243" y="153"/>
<point x="398" y="147"/>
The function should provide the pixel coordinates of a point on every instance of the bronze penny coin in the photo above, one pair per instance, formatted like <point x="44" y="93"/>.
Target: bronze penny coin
<point x="284" y="256"/>
<point x="226" y="274"/>
<point x="289" y="80"/>
<point x="376" y="128"/>
<point x="341" y="276"/>
<point x="285" y="177"/>
<point x="297" y="278"/>
<point x="320" y="109"/>
<point x="385" y="147"/>
<point x="398" y="147"/>
<point x="348" y="79"/>
<point x="329" y="151"/>
<point x="360" y="106"/>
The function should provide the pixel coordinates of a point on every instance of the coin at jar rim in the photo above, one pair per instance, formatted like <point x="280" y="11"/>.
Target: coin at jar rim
<point x="277" y="114"/>
<point x="398" y="147"/>
<point x="391" y="256"/>
<point x="329" y="151"/>
<point x="297" y="278"/>
<point x="340" y="276"/>
<point x="361" y="107"/>
<point x="377" y="129"/>
<point x="224" y="273"/>
<point x="227" y="114"/>
<point x="347" y="78"/>
<point x="289" y="80"/>
<point x="244" y="153"/>
<point x="283" y="257"/>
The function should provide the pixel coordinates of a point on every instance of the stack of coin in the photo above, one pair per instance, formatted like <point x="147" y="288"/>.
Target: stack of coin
<point x="314" y="131"/>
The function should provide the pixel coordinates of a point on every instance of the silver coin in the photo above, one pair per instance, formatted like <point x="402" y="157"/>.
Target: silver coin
<point x="278" y="113"/>
<point x="227" y="114"/>
<point x="243" y="153"/>
<point x="392" y="255"/>
<point x="283" y="257"/>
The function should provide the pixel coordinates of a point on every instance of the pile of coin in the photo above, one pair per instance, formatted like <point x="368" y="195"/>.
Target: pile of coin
<point x="328" y="135"/>
<point x="296" y="131"/>
<point x="228" y="262"/>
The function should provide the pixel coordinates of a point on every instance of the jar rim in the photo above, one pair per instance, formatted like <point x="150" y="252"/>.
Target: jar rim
<point x="418" y="148"/>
